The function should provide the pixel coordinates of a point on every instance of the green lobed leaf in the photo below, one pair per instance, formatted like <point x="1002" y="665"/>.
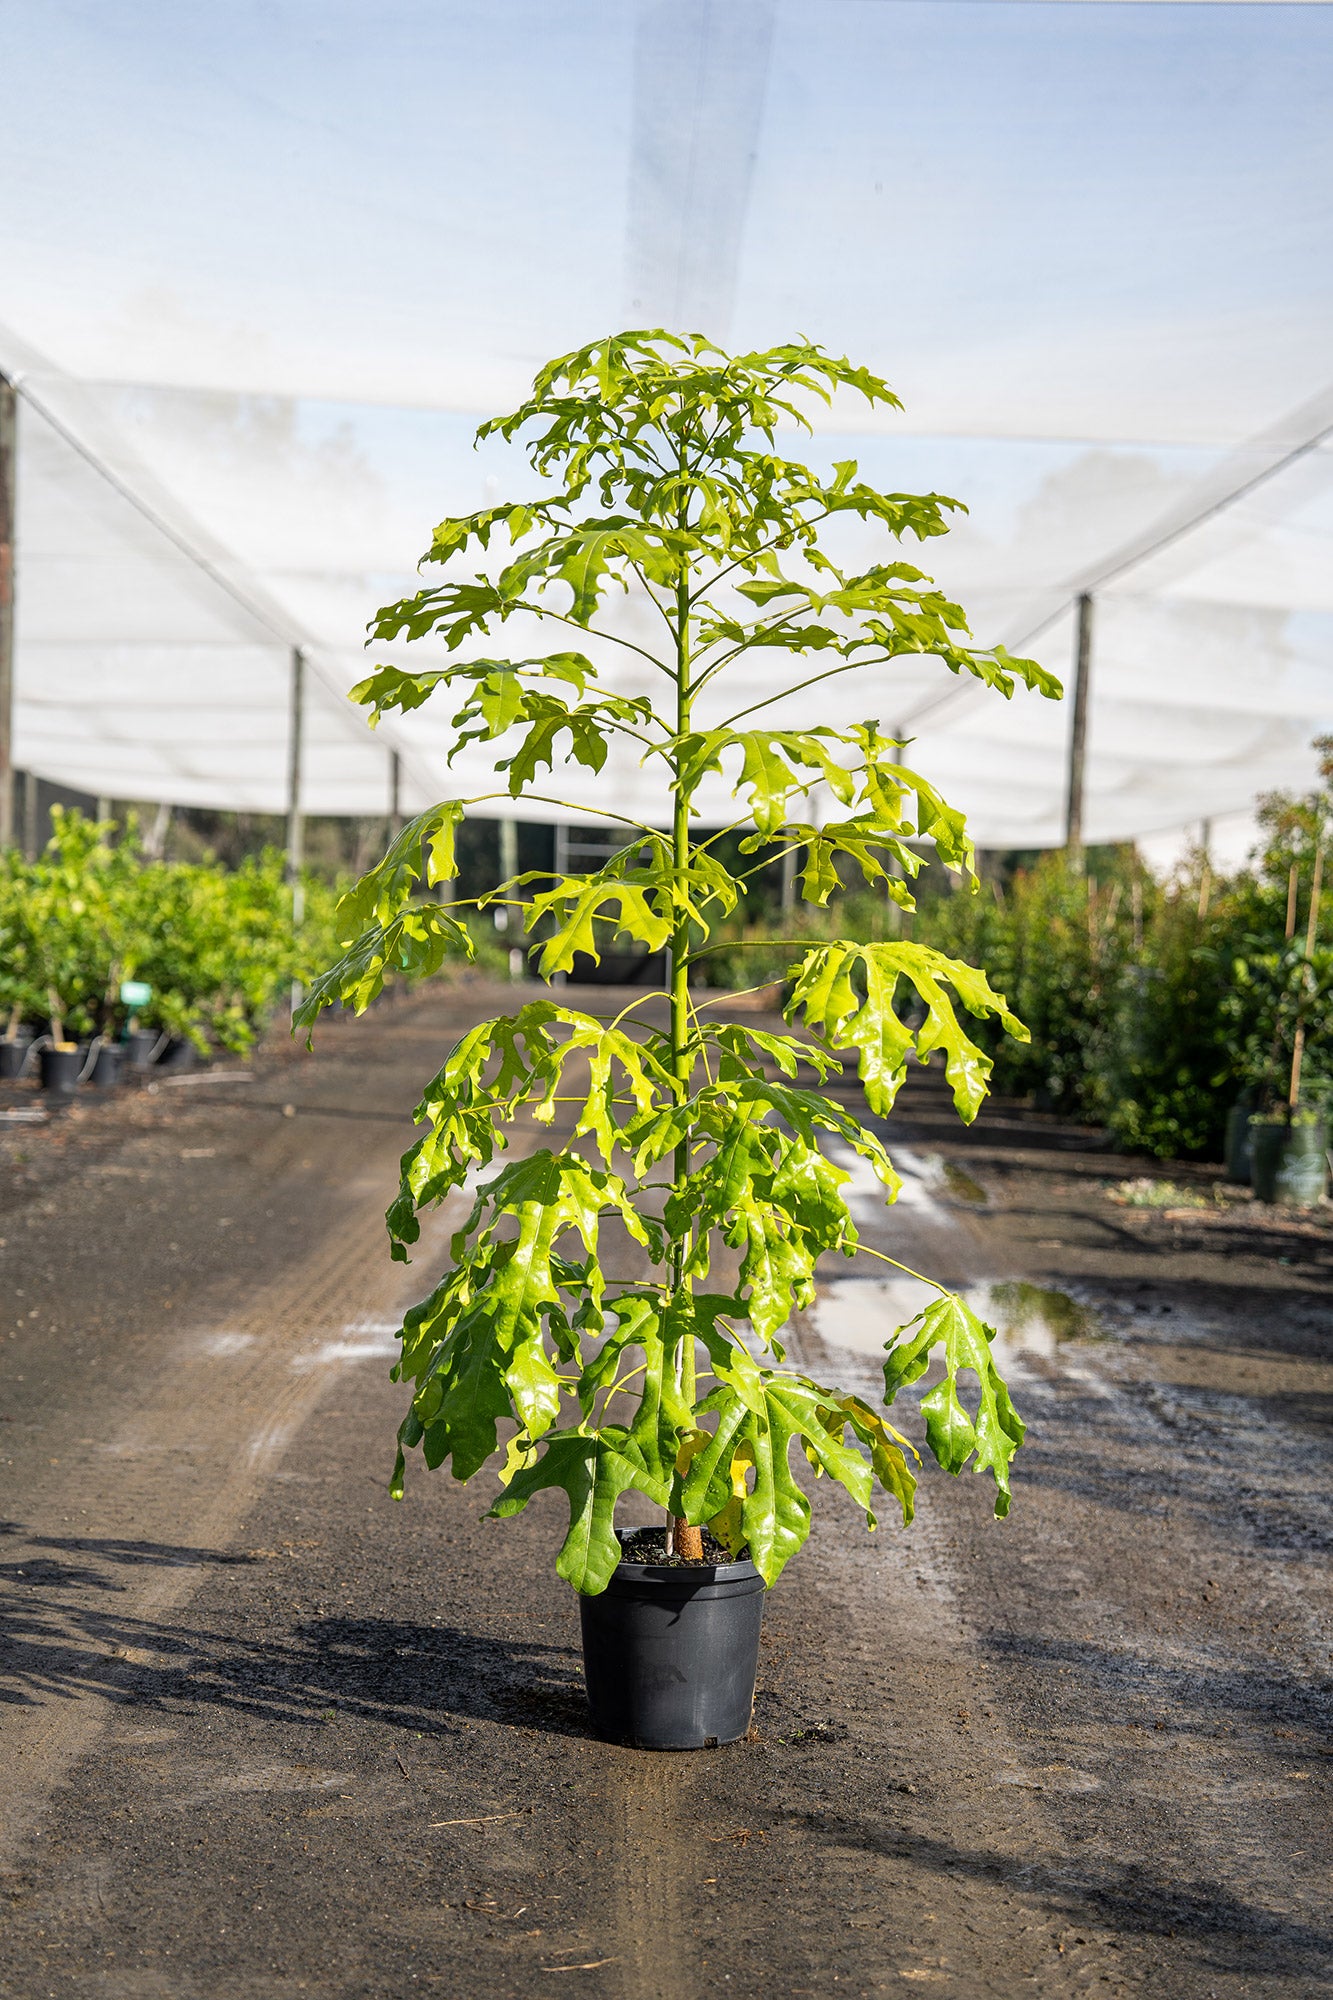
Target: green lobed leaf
<point x="637" y="890"/>
<point x="415" y="943"/>
<point x="846" y="994"/>
<point x="593" y="1470"/>
<point x="522" y="1060"/>
<point x="996" y="1432"/>
<point x="422" y="853"/>
<point x="774" y="1513"/>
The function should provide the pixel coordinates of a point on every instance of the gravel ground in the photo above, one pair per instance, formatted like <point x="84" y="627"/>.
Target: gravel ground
<point x="267" y="1734"/>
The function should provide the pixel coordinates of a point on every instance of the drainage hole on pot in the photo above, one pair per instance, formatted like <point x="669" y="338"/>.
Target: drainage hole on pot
<point x="710" y="1743"/>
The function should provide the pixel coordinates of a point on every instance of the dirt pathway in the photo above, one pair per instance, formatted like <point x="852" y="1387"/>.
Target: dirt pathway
<point x="271" y="1735"/>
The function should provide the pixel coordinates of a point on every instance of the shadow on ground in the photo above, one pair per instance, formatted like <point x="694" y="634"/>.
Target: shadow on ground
<point x="428" y="1679"/>
<point x="416" y="1676"/>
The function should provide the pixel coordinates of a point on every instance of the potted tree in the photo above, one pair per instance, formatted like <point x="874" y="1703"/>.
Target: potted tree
<point x="20" y="1002"/>
<point x="1283" y="999"/>
<point x="700" y="1145"/>
<point x="61" y="921"/>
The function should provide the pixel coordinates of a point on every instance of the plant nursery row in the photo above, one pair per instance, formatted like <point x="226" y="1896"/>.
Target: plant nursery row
<point x="98" y="940"/>
<point x="1160" y="1009"/>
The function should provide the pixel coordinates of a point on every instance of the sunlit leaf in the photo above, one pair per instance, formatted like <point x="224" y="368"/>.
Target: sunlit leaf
<point x="996" y="1431"/>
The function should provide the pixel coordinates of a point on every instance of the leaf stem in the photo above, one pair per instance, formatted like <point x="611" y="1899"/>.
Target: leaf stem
<point x="864" y="1250"/>
<point x="848" y="667"/>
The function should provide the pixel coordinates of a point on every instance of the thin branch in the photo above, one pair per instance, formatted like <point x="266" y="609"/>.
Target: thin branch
<point x="724" y="999"/>
<point x="731" y="827"/>
<point x="864" y="1250"/>
<point x="563" y="618"/>
<point x="752" y="555"/>
<point x="653" y="993"/>
<point x="651" y="595"/>
<point x="699" y="1034"/>
<point x="848" y="667"/>
<point x="620" y="1382"/>
<point x="565" y="805"/>
<point x="754" y="944"/>
<point x="746" y="645"/>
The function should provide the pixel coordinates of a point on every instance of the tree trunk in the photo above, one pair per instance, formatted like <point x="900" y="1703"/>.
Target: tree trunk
<point x="687" y="1542"/>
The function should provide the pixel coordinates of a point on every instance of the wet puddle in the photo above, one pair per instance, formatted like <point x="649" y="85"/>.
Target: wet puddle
<point x="862" y="1313"/>
<point x="956" y="1183"/>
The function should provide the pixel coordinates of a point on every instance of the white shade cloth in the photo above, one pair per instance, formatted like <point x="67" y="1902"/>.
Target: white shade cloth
<point x="264" y="267"/>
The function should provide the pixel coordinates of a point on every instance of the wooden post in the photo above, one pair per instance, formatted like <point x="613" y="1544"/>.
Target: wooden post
<point x="8" y="508"/>
<point x="1078" y="734"/>
<point x="295" y="818"/>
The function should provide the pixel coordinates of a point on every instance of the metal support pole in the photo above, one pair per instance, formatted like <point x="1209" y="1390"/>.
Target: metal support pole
<point x="1078" y="734"/>
<point x="31" y="845"/>
<point x="508" y="870"/>
<point x="560" y="865"/>
<point x="8" y="508"/>
<point x="508" y="849"/>
<point x="155" y="846"/>
<point x="295" y="819"/>
<point x="1312" y="932"/>
<point x="395" y="795"/>
<point x="788" y="878"/>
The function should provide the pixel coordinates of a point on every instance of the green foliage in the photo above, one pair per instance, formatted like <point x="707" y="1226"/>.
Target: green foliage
<point x="216" y="947"/>
<point x="1152" y="1005"/>
<point x="1166" y="1072"/>
<point x="1281" y="986"/>
<point x="1056" y="941"/>
<point x="687" y="1141"/>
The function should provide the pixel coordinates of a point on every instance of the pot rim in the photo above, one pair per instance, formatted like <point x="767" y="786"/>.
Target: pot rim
<point x="681" y="1575"/>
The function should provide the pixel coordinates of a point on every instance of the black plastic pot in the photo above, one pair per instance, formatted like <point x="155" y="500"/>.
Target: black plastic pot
<point x="179" y="1054"/>
<point x="105" y="1072"/>
<point x="1237" y="1154"/>
<point x="671" y="1652"/>
<point x="1289" y="1163"/>
<point x="14" y="1053"/>
<point x="60" y="1070"/>
<point x="141" y="1047"/>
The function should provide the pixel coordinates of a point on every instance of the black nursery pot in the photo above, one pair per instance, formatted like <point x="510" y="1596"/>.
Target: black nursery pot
<point x="105" y="1072"/>
<point x="180" y="1054"/>
<point x="14" y="1053"/>
<point x="140" y="1045"/>
<point x="671" y="1651"/>
<point x="60" y="1070"/>
<point x="1289" y="1162"/>
<point x="1237" y="1156"/>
